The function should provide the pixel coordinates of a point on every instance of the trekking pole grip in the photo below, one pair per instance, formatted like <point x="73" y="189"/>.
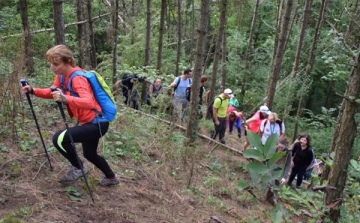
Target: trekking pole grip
<point x="53" y="88"/>
<point x="23" y="82"/>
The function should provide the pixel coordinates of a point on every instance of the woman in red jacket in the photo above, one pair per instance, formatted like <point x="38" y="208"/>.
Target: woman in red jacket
<point x="87" y="132"/>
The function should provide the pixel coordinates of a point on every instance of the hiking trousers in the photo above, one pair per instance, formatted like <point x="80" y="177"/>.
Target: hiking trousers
<point x="88" y="135"/>
<point x="298" y="170"/>
<point x="220" y="130"/>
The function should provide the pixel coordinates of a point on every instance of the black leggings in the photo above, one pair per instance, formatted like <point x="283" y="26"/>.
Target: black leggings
<point x="89" y="135"/>
<point x="298" y="170"/>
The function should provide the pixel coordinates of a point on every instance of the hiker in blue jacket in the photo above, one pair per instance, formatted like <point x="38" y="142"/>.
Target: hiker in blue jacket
<point x="180" y="84"/>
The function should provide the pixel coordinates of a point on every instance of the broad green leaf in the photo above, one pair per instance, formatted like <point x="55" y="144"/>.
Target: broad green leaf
<point x="276" y="216"/>
<point x="255" y="140"/>
<point x="255" y="178"/>
<point x="270" y="146"/>
<point x="74" y="198"/>
<point x="274" y="158"/>
<point x="253" y="154"/>
<point x="354" y="164"/>
<point x="258" y="167"/>
<point x="277" y="174"/>
<point x="242" y="184"/>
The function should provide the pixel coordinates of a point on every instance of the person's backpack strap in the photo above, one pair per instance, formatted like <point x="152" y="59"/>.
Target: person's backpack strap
<point x="177" y="83"/>
<point x="102" y="94"/>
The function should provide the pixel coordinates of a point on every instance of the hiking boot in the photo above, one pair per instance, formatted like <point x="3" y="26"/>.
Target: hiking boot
<point x="73" y="174"/>
<point x="108" y="182"/>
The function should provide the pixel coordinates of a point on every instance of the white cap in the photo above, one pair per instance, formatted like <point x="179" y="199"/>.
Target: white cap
<point x="265" y="109"/>
<point x="228" y="92"/>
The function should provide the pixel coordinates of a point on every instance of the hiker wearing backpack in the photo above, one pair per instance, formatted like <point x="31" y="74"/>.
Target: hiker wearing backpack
<point x="234" y="118"/>
<point x="220" y="106"/>
<point x="253" y="124"/>
<point x="180" y="83"/>
<point x="271" y="125"/>
<point x="128" y="88"/>
<point x="84" y="107"/>
<point x="154" y="90"/>
<point x="303" y="155"/>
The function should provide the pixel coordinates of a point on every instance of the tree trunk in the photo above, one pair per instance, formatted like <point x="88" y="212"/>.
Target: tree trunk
<point x="308" y="80"/>
<point x="197" y="71"/>
<point x="133" y="15"/>
<point x="144" y="89"/>
<point x="222" y="26"/>
<point x="275" y="71"/>
<point x="80" y="32"/>
<point x="59" y="27"/>
<point x="223" y="62"/>
<point x="344" y="140"/>
<point x="305" y="18"/>
<point x="208" y="55"/>
<point x="91" y="35"/>
<point x="29" y="62"/>
<point x="115" y="27"/>
<point x="161" y="35"/>
<point x="178" y="49"/>
<point x="249" y="50"/>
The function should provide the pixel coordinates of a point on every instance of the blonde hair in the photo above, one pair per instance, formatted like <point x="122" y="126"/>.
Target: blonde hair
<point x="60" y="53"/>
<point x="273" y="115"/>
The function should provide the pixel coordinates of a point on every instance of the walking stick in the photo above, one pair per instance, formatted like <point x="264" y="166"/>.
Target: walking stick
<point x="24" y="83"/>
<point x="73" y="144"/>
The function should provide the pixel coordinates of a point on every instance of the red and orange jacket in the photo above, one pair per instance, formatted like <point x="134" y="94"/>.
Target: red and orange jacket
<point x="79" y="107"/>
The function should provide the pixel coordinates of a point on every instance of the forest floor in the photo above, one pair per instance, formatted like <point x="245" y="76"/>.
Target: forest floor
<point x="151" y="190"/>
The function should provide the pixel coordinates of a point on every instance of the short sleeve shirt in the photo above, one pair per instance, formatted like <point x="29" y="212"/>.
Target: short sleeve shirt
<point x="221" y="106"/>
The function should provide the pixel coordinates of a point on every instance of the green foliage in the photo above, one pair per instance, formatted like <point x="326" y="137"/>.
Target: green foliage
<point x="264" y="157"/>
<point x="73" y="193"/>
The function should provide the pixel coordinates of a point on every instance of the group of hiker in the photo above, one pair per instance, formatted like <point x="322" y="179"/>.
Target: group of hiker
<point x="85" y="107"/>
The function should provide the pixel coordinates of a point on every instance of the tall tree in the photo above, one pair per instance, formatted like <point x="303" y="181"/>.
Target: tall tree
<point x="59" y="27"/>
<point x="115" y="27"/>
<point x="197" y="72"/>
<point x="307" y="81"/>
<point x="91" y="35"/>
<point x="305" y="18"/>
<point x="147" y="47"/>
<point x="344" y="140"/>
<point x="275" y="70"/>
<point x="179" y="33"/>
<point x="82" y="36"/>
<point x="223" y="61"/>
<point x="29" y="61"/>
<point x="161" y="34"/>
<point x="222" y="24"/>
<point x="249" y="49"/>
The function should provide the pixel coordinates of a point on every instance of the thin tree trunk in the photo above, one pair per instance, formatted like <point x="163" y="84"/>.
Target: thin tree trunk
<point x="80" y="32"/>
<point x="192" y="33"/>
<point x="222" y="25"/>
<point x="91" y="35"/>
<point x="178" y="49"/>
<point x="147" y="48"/>
<point x="115" y="26"/>
<point x="344" y="141"/>
<point x="197" y="72"/>
<point x="308" y="80"/>
<point x="305" y="18"/>
<point x="59" y="27"/>
<point x="161" y="34"/>
<point x="223" y="62"/>
<point x="208" y="55"/>
<point x="133" y="34"/>
<point x="249" y="50"/>
<point x="275" y="71"/>
<point x="29" y="61"/>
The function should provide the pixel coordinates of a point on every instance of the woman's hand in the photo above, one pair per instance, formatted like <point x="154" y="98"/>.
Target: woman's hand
<point x="283" y="181"/>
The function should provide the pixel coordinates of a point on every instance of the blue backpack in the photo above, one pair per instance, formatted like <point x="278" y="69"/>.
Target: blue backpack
<point x="101" y="91"/>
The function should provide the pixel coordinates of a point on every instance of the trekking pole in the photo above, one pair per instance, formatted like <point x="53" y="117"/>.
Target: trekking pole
<point x="73" y="144"/>
<point x="24" y="83"/>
